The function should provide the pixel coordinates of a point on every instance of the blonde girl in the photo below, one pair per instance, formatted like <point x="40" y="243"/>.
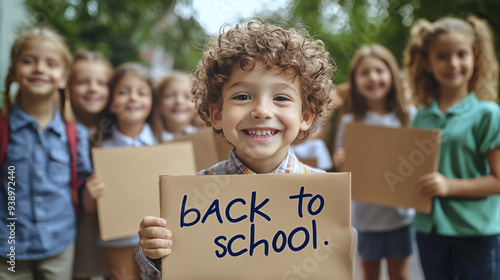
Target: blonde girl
<point x="377" y="98"/>
<point x="453" y="71"/>
<point x="36" y="171"/>
<point x="130" y="113"/>
<point x="88" y="86"/>
<point x="89" y="94"/>
<point x="175" y="110"/>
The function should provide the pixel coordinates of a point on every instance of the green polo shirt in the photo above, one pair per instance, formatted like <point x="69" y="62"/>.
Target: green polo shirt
<point x="470" y="130"/>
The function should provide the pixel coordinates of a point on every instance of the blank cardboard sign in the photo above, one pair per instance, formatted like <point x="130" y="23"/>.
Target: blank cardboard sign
<point x="131" y="177"/>
<point x="209" y="148"/>
<point x="386" y="163"/>
<point x="272" y="226"/>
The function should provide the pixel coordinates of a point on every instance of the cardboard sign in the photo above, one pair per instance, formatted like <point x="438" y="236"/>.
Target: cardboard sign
<point x="273" y="226"/>
<point x="209" y="148"/>
<point x="223" y="147"/>
<point x="131" y="178"/>
<point x="386" y="163"/>
<point x="309" y="161"/>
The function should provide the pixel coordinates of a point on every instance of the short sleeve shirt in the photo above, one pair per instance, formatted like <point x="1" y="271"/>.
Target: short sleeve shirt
<point x="470" y="130"/>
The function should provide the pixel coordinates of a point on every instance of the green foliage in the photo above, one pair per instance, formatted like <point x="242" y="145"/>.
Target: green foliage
<point x="121" y="28"/>
<point x="377" y="21"/>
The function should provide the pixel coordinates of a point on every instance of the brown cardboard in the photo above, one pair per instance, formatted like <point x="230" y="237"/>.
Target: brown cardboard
<point x="386" y="163"/>
<point x="313" y="162"/>
<point x="205" y="152"/>
<point x="131" y="178"/>
<point x="223" y="147"/>
<point x="194" y="249"/>
<point x="209" y="148"/>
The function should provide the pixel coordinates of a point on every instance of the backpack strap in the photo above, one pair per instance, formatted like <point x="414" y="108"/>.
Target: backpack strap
<point x="75" y="183"/>
<point x="4" y="138"/>
<point x="72" y="139"/>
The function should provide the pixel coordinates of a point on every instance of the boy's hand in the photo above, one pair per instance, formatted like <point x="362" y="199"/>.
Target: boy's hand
<point x="433" y="184"/>
<point x="338" y="158"/>
<point x="94" y="186"/>
<point x="154" y="238"/>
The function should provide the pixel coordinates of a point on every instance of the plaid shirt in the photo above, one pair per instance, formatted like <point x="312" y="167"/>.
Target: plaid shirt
<point x="232" y="165"/>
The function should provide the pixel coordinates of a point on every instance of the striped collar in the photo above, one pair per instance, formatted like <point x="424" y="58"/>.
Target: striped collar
<point x="233" y="165"/>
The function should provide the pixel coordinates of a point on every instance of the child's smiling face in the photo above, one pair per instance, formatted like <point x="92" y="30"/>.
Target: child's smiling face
<point x="451" y="61"/>
<point x="40" y="69"/>
<point x="89" y="86"/>
<point x="373" y="79"/>
<point x="132" y="99"/>
<point x="177" y="107"/>
<point x="261" y="115"/>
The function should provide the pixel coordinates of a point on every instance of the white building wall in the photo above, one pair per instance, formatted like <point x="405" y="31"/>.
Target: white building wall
<point x="13" y="16"/>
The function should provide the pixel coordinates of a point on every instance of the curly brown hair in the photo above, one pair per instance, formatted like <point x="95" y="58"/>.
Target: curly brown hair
<point x="484" y="80"/>
<point x="294" y="51"/>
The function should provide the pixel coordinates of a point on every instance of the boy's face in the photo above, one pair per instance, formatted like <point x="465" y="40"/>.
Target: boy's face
<point x="261" y="115"/>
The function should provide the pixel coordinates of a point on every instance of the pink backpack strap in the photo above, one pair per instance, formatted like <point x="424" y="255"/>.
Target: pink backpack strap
<point x="4" y="138"/>
<point x="75" y="183"/>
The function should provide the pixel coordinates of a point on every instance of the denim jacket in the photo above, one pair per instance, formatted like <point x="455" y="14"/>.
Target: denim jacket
<point x="42" y="223"/>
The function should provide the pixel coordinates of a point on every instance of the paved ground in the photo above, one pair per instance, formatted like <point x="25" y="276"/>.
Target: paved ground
<point x="415" y="269"/>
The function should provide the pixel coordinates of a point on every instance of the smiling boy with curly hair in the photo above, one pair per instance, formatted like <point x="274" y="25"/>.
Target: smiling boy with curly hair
<point x="261" y="87"/>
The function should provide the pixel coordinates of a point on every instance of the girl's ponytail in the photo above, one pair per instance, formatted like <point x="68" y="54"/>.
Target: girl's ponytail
<point x="415" y="59"/>
<point x="484" y="82"/>
<point x="66" y="109"/>
<point x="7" y="106"/>
<point x="62" y="103"/>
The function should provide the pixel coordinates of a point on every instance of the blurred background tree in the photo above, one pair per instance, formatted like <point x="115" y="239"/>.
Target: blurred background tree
<point x="345" y="25"/>
<point x="170" y="34"/>
<point x="121" y="29"/>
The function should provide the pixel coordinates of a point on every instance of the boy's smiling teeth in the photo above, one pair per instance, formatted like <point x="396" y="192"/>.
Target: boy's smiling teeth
<point x="260" y="132"/>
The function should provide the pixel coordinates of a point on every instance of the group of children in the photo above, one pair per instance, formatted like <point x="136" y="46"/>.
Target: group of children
<point x="112" y="108"/>
<point x="261" y="87"/>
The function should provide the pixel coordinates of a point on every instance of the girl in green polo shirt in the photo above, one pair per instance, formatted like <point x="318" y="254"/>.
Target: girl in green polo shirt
<point x="453" y="71"/>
